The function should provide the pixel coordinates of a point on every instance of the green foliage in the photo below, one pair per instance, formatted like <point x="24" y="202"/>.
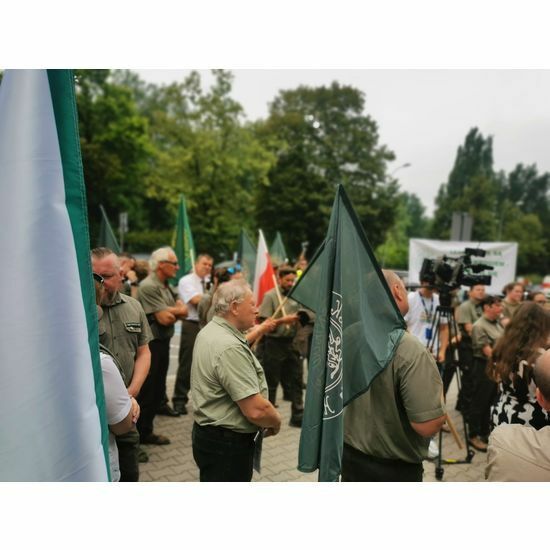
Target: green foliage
<point x="472" y="187"/>
<point x="147" y="241"/>
<point x="410" y="222"/>
<point x="513" y="207"/>
<point x="116" y="149"/>
<point x="322" y="138"/>
<point x="207" y="153"/>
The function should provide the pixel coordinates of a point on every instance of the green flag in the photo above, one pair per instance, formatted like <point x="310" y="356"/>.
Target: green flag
<point x="183" y="242"/>
<point x="106" y="234"/>
<point x="246" y="255"/>
<point x="357" y="329"/>
<point x="277" y="250"/>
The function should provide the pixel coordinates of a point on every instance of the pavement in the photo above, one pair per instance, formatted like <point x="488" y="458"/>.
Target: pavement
<point x="175" y="462"/>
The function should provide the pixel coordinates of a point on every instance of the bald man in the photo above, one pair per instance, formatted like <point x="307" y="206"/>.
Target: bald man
<point x="387" y="430"/>
<point x="518" y="452"/>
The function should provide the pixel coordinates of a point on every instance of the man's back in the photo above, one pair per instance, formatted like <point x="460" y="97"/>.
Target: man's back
<point x="518" y="453"/>
<point x="410" y="389"/>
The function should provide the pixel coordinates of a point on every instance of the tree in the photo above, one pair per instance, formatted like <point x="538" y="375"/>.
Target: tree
<point x="321" y="138"/>
<point x="206" y="152"/>
<point x="116" y="149"/>
<point x="472" y="187"/>
<point x="410" y="222"/>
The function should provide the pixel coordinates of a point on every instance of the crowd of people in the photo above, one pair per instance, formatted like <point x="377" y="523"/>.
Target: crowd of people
<point x="234" y="354"/>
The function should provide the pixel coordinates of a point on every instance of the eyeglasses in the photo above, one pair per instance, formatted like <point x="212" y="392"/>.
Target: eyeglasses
<point x="97" y="277"/>
<point x="169" y="262"/>
<point x="233" y="270"/>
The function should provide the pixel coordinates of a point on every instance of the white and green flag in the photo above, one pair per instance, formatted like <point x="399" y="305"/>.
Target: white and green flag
<point x="52" y="410"/>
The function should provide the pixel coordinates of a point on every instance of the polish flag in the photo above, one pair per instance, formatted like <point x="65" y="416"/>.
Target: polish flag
<point x="263" y="275"/>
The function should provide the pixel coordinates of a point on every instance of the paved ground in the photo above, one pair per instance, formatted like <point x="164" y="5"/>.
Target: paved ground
<point x="175" y="462"/>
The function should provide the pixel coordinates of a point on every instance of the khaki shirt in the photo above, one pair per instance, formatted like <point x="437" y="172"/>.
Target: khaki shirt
<point x="123" y="329"/>
<point x="377" y="423"/>
<point x="518" y="453"/>
<point x="224" y="371"/>
<point x="509" y="309"/>
<point x="468" y="312"/>
<point x="485" y="333"/>
<point x="156" y="296"/>
<point x="270" y="303"/>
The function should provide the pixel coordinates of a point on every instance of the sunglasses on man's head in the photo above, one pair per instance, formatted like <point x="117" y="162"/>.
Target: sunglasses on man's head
<point x="97" y="277"/>
<point x="233" y="270"/>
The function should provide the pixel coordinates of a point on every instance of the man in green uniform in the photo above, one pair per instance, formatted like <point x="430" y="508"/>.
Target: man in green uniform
<point x="513" y="293"/>
<point x="278" y="352"/>
<point x="467" y="314"/>
<point x="229" y="390"/>
<point x="485" y="332"/>
<point x="387" y="429"/>
<point x="123" y="330"/>
<point x="163" y="309"/>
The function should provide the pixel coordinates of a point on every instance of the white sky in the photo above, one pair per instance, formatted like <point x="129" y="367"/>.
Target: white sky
<point x="423" y="115"/>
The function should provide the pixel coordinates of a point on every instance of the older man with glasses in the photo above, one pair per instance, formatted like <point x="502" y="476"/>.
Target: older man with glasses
<point x="163" y="310"/>
<point x="125" y="332"/>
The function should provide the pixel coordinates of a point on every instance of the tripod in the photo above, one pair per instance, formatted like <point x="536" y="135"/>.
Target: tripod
<point x="445" y="311"/>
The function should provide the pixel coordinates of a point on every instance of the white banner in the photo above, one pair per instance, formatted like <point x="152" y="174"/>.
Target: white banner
<point x="502" y="256"/>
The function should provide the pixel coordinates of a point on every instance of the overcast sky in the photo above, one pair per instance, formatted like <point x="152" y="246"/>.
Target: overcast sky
<point x="423" y="115"/>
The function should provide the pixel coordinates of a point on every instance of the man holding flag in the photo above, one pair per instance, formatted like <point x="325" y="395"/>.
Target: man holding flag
<point x="387" y="429"/>
<point x="358" y="332"/>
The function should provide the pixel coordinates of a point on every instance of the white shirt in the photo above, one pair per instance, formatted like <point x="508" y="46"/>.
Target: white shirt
<point x="117" y="403"/>
<point x="190" y="286"/>
<point x="420" y="316"/>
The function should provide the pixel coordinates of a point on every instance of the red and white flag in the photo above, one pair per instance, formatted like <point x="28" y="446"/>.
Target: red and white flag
<point x="263" y="275"/>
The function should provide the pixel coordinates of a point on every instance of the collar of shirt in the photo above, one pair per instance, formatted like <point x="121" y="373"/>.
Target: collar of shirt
<point x="155" y="278"/>
<point x="228" y="326"/>
<point x="116" y="299"/>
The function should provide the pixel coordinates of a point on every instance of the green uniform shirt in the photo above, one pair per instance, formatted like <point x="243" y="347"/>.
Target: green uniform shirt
<point x="410" y="389"/>
<point x="468" y="312"/>
<point x="509" y="309"/>
<point x="224" y="370"/>
<point x="270" y="303"/>
<point x="485" y="333"/>
<point x="123" y="329"/>
<point x="156" y="296"/>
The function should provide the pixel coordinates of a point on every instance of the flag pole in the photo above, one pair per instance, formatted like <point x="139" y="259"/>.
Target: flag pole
<point x="279" y="295"/>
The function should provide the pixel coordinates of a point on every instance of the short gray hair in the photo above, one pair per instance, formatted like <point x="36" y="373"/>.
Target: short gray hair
<point x="227" y="293"/>
<point x="160" y="255"/>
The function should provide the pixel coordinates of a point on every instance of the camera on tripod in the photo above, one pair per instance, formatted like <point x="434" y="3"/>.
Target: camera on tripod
<point x="446" y="274"/>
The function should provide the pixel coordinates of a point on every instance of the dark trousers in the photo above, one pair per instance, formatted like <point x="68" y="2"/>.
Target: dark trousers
<point x="223" y="455"/>
<point x="128" y="448"/>
<point x="189" y="331"/>
<point x="279" y="356"/>
<point x="154" y="388"/>
<point x="484" y="392"/>
<point x="358" y="466"/>
<point x="466" y="359"/>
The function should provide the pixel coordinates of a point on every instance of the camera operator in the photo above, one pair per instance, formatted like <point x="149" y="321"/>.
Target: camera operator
<point x="466" y="315"/>
<point x="485" y="332"/>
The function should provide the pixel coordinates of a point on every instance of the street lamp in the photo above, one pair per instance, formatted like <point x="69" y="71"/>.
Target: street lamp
<point x="406" y="165"/>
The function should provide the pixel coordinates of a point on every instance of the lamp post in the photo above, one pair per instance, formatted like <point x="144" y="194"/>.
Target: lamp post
<point x="406" y="165"/>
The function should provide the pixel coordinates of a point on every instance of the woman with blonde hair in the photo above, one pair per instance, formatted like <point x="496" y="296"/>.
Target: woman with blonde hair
<point x="511" y="365"/>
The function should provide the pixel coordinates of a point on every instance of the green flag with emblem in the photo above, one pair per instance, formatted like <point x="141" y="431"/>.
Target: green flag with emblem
<point x="182" y="242"/>
<point x="357" y="330"/>
<point x="106" y="234"/>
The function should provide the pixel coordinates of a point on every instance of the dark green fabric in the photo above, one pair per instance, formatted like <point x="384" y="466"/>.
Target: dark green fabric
<point x="246" y="254"/>
<point x="183" y="244"/>
<point x="277" y="251"/>
<point x="106" y="236"/>
<point x="345" y="287"/>
<point x="64" y="105"/>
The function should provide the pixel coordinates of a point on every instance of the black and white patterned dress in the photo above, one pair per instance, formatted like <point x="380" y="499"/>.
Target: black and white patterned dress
<point x="516" y="403"/>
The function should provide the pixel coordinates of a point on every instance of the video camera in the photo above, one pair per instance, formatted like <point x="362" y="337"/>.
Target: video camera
<point x="446" y="274"/>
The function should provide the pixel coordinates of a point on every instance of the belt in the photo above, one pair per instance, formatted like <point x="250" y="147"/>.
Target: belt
<point x="224" y="433"/>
